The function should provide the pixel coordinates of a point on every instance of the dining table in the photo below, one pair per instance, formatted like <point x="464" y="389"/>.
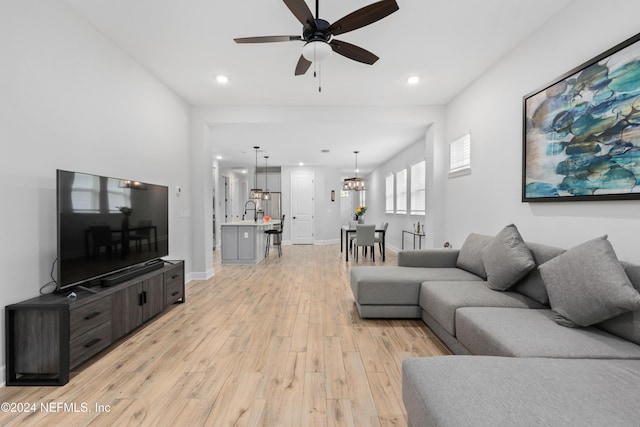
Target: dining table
<point x="344" y="239"/>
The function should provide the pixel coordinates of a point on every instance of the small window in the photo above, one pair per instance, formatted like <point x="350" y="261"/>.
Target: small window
<point x="418" y="188"/>
<point x="401" y="192"/>
<point x="460" y="156"/>
<point x="389" y="194"/>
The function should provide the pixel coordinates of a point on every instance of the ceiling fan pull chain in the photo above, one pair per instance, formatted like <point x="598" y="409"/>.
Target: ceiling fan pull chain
<point x="319" y="77"/>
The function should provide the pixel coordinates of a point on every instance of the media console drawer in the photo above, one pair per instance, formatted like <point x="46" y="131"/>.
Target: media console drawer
<point x="89" y="316"/>
<point x="86" y="345"/>
<point x="174" y="284"/>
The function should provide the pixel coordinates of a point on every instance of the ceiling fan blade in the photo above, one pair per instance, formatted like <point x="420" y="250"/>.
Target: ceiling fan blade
<point x="302" y="12"/>
<point x="303" y="66"/>
<point x="352" y="51"/>
<point x="267" y="39"/>
<point x="364" y="16"/>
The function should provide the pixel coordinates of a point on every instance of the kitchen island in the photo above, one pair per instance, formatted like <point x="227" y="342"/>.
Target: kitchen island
<point x="243" y="242"/>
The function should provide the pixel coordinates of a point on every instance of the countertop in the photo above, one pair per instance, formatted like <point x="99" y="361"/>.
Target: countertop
<point x="260" y="223"/>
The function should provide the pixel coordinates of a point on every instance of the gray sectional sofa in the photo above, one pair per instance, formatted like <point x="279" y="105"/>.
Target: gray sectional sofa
<point x="541" y="336"/>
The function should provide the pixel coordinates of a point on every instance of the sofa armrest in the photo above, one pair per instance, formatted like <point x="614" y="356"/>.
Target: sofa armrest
<point x="433" y="258"/>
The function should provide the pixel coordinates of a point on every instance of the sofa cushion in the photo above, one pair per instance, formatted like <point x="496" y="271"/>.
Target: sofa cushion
<point x="506" y="259"/>
<point x="390" y="285"/>
<point x="442" y="299"/>
<point x="626" y="325"/>
<point x="481" y="391"/>
<point x="519" y="332"/>
<point x="428" y="258"/>
<point x="587" y="284"/>
<point x="470" y="255"/>
<point x="532" y="285"/>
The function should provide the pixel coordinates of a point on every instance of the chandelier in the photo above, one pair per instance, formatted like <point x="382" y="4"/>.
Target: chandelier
<point x="355" y="183"/>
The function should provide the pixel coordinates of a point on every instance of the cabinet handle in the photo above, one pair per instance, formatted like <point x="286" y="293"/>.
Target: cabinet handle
<point x="144" y="297"/>
<point x="92" y="342"/>
<point x="91" y="315"/>
<point x="140" y="301"/>
<point x="175" y="293"/>
<point x="175" y="276"/>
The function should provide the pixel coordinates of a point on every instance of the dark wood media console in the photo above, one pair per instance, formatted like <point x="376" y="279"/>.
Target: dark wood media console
<point x="47" y="336"/>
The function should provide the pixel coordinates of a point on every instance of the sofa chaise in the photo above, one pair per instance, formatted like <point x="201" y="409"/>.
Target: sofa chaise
<point x="541" y="335"/>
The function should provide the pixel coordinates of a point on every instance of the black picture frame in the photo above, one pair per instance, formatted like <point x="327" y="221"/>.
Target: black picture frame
<point x="581" y="132"/>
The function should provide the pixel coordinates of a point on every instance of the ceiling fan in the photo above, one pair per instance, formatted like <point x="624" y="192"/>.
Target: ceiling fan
<point x="318" y="33"/>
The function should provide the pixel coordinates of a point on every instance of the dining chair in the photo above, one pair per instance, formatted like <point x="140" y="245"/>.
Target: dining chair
<point x="379" y="235"/>
<point x="352" y="235"/>
<point x="365" y="237"/>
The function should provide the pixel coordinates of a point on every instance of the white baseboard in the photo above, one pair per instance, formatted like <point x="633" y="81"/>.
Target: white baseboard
<point x="327" y="242"/>
<point x="198" y="275"/>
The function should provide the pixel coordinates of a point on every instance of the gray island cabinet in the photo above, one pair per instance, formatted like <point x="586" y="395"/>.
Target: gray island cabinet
<point x="243" y="242"/>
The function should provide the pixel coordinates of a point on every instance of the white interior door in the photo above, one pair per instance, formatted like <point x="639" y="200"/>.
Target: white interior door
<point x="302" y="208"/>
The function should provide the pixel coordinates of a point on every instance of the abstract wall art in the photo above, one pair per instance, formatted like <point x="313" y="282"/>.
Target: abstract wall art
<point x="581" y="133"/>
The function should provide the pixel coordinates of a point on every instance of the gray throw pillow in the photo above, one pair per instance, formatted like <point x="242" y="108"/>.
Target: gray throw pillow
<point x="470" y="257"/>
<point x="587" y="284"/>
<point x="507" y="259"/>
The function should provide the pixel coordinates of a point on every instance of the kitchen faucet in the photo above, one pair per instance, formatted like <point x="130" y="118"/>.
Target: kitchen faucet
<point x="255" y="211"/>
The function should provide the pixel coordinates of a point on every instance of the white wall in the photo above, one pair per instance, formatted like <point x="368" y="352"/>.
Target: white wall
<point x="72" y="100"/>
<point x="491" y="109"/>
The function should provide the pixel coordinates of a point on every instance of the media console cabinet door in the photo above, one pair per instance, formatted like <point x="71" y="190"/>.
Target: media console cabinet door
<point x="153" y="297"/>
<point x="126" y="310"/>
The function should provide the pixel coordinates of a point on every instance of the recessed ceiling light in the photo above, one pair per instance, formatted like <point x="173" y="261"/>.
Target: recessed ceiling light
<point x="222" y="79"/>
<point x="301" y="164"/>
<point x="413" y="80"/>
<point x="219" y="157"/>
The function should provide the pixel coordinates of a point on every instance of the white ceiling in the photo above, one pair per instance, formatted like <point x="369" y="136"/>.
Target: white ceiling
<point x="186" y="43"/>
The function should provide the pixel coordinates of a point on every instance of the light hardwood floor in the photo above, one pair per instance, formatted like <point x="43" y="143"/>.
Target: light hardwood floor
<point x="277" y="344"/>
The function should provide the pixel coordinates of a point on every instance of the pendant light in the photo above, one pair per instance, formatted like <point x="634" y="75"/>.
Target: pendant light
<point x="266" y="195"/>
<point x="355" y="183"/>
<point x="255" y="193"/>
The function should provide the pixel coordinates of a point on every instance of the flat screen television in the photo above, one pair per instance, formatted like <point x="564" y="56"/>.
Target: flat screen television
<point x="108" y="225"/>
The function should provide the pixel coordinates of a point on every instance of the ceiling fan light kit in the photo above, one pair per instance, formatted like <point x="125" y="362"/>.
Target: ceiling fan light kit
<point x="316" y="50"/>
<point x="318" y="34"/>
